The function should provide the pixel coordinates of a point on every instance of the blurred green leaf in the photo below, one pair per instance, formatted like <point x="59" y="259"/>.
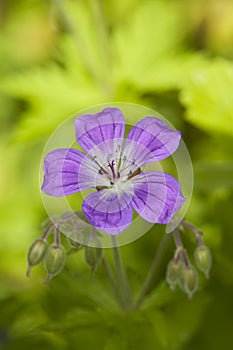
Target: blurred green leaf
<point x="21" y="46"/>
<point x="213" y="176"/>
<point x="117" y="11"/>
<point x="134" y="53"/>
<point x="176" y="319"/>
<point x="53" y="94"/>
<point x="208" y="96"/>
<point x="170" y="72"/>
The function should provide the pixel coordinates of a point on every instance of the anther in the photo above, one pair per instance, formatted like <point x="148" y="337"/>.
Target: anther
<point x="109" y="157"/>
<point x="118" y="148"/>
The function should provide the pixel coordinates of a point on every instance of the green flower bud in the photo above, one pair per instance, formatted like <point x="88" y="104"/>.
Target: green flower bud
<point x="203" y="259"/>
<point x="189" y="280"/>
<point x="93" y="257"/>
<point x="54" y="261"/>
<point x="36" y="253"/>
<point x="173" y="273"/>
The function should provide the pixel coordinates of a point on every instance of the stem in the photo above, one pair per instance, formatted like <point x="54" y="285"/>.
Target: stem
<point x="101" y="75"/>
<point x="191" y="227"/>
<point x="122" y="278"/>
<point x="149" y="281"/>
<point x="75" y="33"/>
<point x="57" y="240"/>
<point x="180" y="251"/>
<point x="177" y="239"/>
<point x="197" y="233"/>
<point x="102" y="38"/>
<point x="97" y="10"/>
<point x="112" y="280"/>
<point x="47" y="232"/>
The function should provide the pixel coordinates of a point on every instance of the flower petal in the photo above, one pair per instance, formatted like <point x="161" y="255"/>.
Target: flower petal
<point x="95" y="129"/>
<point x="150" y="140"/>
<point x="157" y="196"/>
<point x="108" y="212"/>
<point x="67" y="171"/>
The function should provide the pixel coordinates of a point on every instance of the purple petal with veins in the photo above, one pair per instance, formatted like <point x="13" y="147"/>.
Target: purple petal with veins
<point x="150" y="140"/>
<point x="157" y="196"/>
<point x="108" y="211"/>
<point x="95" y="129"/>
<point x="65" y="174"/>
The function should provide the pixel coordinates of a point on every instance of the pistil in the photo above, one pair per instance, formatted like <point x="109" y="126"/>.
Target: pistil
<point x="111" y="166"/>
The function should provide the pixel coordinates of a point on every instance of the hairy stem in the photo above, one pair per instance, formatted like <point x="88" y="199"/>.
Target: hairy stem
<point x="197" y="233"/>
<point x="149" y="281"/>
<point x="180" y="251"/>
<point x="57" y="239"/>
<point x="123" y="287"/>
<point x="47" y="232"/>
<point x="112" y="281"/>
<point x="177" y="239"/>
<point x="76" y="35"/>
<point x="102" y="39"/>
<point x="100" y="73"/>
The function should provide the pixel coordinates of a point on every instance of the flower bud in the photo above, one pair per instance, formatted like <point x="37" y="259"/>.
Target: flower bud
<point x="203" y="259"/>
<point x="173" y="273"/>
<point x="189" y="280"/>
<point x="93" y="257"/>
<point x="54" y="260"/>
<point x="36" y="253"/>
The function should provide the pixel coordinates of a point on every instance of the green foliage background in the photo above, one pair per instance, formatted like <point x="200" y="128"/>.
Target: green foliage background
<point x="58" y="57"/>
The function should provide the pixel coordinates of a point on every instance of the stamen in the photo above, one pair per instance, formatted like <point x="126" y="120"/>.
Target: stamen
<point x="99" y="188"/>
<point x="136" y="172"/>
<point x="101" y="170"/>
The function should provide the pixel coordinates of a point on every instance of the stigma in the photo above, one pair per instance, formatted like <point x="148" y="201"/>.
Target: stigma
<point x="114" y="176"/>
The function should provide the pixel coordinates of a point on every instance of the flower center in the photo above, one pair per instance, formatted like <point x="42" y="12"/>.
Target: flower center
<point x="117" y="180"/>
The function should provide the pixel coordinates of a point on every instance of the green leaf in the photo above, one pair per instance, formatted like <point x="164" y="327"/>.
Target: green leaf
<point x="170" y="72"/>
<point x="135" y="51"/>
<point x="213" y="176"/>
<point x="85" y="22"/>
<point x="118" y="11"/>
<point x="53" y="94"/>
<point x="175" y="319"/>
<point x="208" y="96"/>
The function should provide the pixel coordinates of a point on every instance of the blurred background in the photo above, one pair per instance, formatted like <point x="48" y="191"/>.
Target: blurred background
<point x="58" y="57"/>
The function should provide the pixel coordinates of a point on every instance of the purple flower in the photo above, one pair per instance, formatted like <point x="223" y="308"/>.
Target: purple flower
<point x="114" y="170"/>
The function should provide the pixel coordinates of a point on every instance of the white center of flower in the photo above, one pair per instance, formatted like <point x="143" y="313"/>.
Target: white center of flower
<point x="118" y="174"/>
